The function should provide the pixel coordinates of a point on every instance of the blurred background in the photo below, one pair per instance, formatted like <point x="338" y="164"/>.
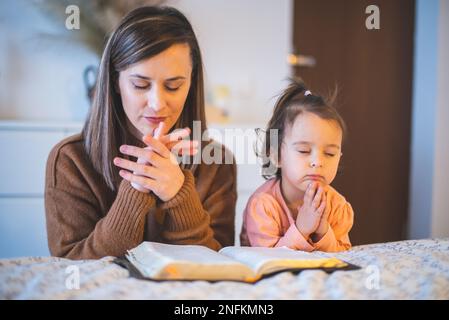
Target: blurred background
<point x="393" y="82"/>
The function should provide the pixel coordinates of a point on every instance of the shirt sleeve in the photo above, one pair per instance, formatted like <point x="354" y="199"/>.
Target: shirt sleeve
<point x="76" y="226"/>
<point x="208" y="222"/>
<point x="341" y="218"/>
<point x="264" y="229"/>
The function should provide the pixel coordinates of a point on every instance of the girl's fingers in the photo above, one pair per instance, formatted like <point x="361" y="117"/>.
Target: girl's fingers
<point x="141" y="181"/>
<point x="326" y="208"/>
<point x="310" y="192"/>
<point x="322" y="208"/>
<point x="145" y="154"/>
<point x="317" y="199"/>
<point x="137" y="168"/>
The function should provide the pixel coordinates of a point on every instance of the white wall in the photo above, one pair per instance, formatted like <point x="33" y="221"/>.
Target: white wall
<point x="245" y="46"/>
<point x="429" y="172"/>
<point x="41" y="67"/>
<point x="440" y="210"/>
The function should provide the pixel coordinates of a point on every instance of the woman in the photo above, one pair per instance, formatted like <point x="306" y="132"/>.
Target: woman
<point x="116" y="184"/>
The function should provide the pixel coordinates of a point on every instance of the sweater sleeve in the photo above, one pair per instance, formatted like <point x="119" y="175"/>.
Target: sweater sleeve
<point x="341" y="218"/>
<point x="209" y="223"/>
<point x="76" y="227"/>
<point x="263" y="226"/>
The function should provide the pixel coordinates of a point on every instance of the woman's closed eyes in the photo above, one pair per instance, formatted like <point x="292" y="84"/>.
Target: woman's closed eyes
<point x="140" y="86"/>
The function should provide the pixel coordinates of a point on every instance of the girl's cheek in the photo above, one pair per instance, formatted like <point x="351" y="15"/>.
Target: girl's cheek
<point x="304" y="185"/>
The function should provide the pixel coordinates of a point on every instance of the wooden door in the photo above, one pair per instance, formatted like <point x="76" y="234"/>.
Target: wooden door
<point x="373" y="69"/>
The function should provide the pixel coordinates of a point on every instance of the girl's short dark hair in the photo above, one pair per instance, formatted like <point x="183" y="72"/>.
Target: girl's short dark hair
<point x="294" y="100"/>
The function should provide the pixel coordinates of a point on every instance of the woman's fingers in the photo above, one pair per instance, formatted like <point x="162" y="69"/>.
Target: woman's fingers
<point x="139" y="188"/>
<point x="160" y="130"/>
<point x="174" y="141"/>
<point x="157" y="146"/>
<point x="171" y="145"/>
<point x="175" y="136"/>
<point x="146" y="154"/>
<point x="137" y="168"/>
<point x="185" y="148"/>
<point x="141" y="181"/>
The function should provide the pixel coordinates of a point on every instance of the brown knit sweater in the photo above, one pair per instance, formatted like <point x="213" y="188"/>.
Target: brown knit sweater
<point x="87" y="220"/>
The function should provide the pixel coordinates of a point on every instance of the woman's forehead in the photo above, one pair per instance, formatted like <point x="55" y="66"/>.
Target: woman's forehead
<point x="170" y="63"/>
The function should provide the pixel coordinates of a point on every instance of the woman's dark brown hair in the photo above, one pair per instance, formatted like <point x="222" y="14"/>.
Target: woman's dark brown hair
<point x="294" y="100"/>
<point x="142" y="34"/>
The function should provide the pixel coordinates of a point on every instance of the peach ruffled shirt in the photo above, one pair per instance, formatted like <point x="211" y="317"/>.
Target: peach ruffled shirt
<point x="267" y="222"/>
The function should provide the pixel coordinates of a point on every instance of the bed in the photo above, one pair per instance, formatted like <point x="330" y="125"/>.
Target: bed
<point x="412" y="269"/>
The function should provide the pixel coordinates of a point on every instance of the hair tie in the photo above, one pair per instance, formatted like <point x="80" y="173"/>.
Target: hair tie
<point x="307" y="93"/>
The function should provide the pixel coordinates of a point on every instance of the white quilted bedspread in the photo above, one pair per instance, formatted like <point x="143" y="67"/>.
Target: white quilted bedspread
<point x="413" y="269"/>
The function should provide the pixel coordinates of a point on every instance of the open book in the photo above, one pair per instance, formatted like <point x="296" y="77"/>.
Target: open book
<point x="191" y="262"/>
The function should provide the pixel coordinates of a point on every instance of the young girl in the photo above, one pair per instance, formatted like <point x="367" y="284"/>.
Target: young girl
<point x="298" y="208"/>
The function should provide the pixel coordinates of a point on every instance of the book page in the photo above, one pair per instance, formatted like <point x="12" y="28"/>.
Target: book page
<point x="186" y="262"/>
<point x="267" y="260"/>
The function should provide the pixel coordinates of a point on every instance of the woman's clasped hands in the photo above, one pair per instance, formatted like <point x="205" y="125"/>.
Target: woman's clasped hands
<point x="156" y="169"/>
